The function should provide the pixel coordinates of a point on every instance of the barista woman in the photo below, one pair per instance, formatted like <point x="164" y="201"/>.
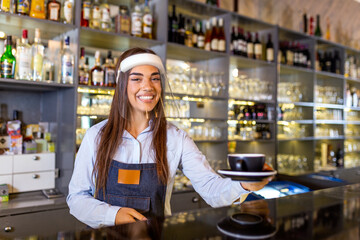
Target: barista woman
<point x="125" y="167"/>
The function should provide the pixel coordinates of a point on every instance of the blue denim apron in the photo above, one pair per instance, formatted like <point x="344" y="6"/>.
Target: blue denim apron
<point x="147" y="197"/>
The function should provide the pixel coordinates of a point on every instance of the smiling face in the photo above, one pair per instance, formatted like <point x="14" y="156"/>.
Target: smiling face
<point x="144" y="88"/>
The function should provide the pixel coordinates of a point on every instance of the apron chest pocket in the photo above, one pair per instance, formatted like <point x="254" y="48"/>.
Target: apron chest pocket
<point x="140" y="204"/>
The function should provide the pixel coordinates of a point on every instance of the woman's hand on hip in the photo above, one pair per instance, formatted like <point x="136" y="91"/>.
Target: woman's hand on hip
<point x="128" y="215"/>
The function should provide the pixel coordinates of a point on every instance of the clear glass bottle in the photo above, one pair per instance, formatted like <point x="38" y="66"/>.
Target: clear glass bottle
<point x="147" y="22"/>
<point x="81" y="66"/>
<point x="109" y="71"/>
<point x="37" y="57"/>
<point x="48" y="73"/>
<point x="23" y="58"/>
<point x="95" y="16"/>
<point x="97" y="73"/>
<point x="136" y="20"/>
<point x="37" y="9"/>
<point x="67" y="63"/>
<point x="67" y="13"/>
<point x="8" y="60"/>
<point x="105" y="22"/>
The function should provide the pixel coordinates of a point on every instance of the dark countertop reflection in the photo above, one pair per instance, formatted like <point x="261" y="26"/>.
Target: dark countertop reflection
<point x="324" y="214"/>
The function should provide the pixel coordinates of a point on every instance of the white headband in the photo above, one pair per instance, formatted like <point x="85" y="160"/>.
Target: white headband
<point x="142" y="59"/>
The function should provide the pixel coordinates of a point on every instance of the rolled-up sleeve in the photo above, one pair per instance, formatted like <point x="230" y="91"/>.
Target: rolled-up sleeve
<point x="214" y="189"/>
<point x="81" y="201"/>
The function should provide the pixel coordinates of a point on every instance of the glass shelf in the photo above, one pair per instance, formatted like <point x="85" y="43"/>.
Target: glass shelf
<point x="352" y="79"/>
<point x="191" y="54"/>
<point x="195" y="98"/>
<point x="352" y="122"/>
<point x="300" y="104"/>
<point x="352" y="138"/>
<point x="285" y="122"/>
<point x="334" y="122"/>
<point x="96" y="90"/>
<point x="244" y="62"/>
<point x="287" y="69"/>
<point x="15" y="84"/>
<point x="329" y="138"/>
<point x="329" y="74"/>
<point x="325" y="105"/>
<point x="12" y="24"/>
<point x="296" y="139"/>
<point x="352" y="108"/>
<point x="117" y="41"/>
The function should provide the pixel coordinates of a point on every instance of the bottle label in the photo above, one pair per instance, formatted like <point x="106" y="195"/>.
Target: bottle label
<point x="221" y="45"/>
<point x="38" y="63"/>
<point x="250" y="48"/>
<point x="37" y="7"/>
<point x="86" y="10"/>
<point x="147" y="23"/>
<point x="24" y="64"/>
<point x="200" y="41"/>
<point x="214" y="44"/>
<point x="136" y="24"/>
<point x="98" y="77"/>
<point x="68" y="6"/>
<point x="207" y="46"/>
<point x="125" y="24"/>
<point x="23" y="6"/>
<point x="5" y="5"/>
<point x="54" y="12"/>
<point x="270" y="54"/>
<point x="105" y="16"/>
<point x="258" y="49"/>
<point x="110" y="76"/>
<point x="194" y="38"/>
<point x="96" y="14"/>
<point x="66" y="67"/>
<point x="7" y="68"/>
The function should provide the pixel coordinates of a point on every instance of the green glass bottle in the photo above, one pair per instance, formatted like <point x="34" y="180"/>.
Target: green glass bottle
<point x="8" y="61"/>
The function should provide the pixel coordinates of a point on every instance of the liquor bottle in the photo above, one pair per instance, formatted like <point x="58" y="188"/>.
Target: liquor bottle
<point x="84" y="72"/>
<point x="327" y="34"/>
<point x="122" y="22"/>
<point x="242" y="43"/>
<point x="48" y="67"/>
<point x="67" y="14"/>
<point x="85" y="13"/>
<point x="4" y="136"/>
<point x="207" y="37"/>
<point x="311" y="26"/>
<point x="97" y="73"/>
<point x="234" y="41"/>
<point x="339" y="158"/>
<point x="221" y="36"/>
<point x="214" y="35"/>
<point x="305" y="23"/>
<point x="37" y="9"/>
<point x="318" y="32"/>
<point x="53" y="10"/>
<point x="257" y="47"/>
<point x="109" y="72"/>
<point x="249" y="46"/>
<point x="5" y="5"/>
<point x="95" y="16"/>
<point x="336" y="63"/>
<point x="67" y="63"/>
<point x="8" y="60"/>
<point x="81" y="66"/>
<point x="173" y="25"/>
<point x="195" y="31"/>
<point x="188" y="33"/>
<point x="181" y="30"/>
<point x="200" y="36"/>
<point x="23" y="7"/>
<point x="23" y="58"/>
<point x="136" y="20"/>
<point x="269" y="50"/>
<point x="105" y="21"/>
<point x="147" y="22"/>
<point x="37" y="57"/>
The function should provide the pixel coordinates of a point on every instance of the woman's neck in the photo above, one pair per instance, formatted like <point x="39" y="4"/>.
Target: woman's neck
<point x="138" y="123"/>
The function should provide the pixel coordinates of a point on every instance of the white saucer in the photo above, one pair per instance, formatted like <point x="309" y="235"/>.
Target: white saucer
<point x="247" y="174"/>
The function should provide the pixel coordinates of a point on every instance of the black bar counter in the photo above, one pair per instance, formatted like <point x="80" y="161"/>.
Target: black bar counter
<point x="332" y="213"/>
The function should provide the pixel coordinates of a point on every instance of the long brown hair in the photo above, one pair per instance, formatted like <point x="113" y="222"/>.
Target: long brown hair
<point x="111" y="133"/>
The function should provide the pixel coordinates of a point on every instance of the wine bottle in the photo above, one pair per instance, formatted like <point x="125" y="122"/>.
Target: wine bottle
<point x="214" y="35"/>
<point x="257" y="47"/>
<point x="318" y="32"/>
<point x="221" y="36"/>
<point x="249" y="46"/>
<point x="208" y="37"/>
<point x="174" y="25"/>
<point x="269" y="50"/>
<point x="200" y="36"/>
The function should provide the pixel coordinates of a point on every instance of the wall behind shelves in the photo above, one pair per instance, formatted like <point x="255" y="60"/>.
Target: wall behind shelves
<point x="343" y="15"/>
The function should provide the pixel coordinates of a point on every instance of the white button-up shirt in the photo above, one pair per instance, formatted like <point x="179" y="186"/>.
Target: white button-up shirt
<point x="181" y="150"/>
